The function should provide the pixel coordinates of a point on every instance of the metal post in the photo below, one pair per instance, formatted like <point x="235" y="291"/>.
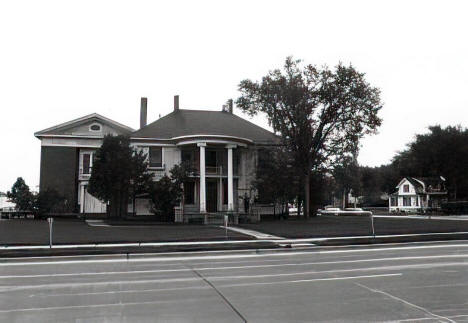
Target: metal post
<point x="50" y="221"/>
<point x="372" y="224"/>
<point x="226" y="222"/>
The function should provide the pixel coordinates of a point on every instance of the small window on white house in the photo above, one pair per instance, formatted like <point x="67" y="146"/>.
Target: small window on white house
<point x="406" y="188"/>
<point x="95" y="127"/>
<point x="155" y="156"/>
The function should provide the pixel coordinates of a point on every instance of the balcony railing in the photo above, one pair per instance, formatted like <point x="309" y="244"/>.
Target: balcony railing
<point x="214" y="170"/>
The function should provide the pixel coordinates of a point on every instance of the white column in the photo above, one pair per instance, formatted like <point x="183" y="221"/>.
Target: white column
<point x="82" y="197"/>
<point x="202" y="178"/>
<point x="230" y="179"/>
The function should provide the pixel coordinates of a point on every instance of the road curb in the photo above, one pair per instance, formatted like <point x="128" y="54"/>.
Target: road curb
<point x="128" y="249"/>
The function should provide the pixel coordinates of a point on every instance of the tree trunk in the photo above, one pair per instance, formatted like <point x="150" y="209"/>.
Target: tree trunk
<point x="307" y="195"/>
<point x="123" y="203"/>
<point x="114" y="205"/>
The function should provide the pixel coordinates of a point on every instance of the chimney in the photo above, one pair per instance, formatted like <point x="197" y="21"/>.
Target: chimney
<point x="176" y="102"/>
<point x="229" y="103"/>
<point x="143" y="112"/>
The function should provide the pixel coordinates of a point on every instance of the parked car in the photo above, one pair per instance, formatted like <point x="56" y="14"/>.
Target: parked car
<point x="347" y="211"/>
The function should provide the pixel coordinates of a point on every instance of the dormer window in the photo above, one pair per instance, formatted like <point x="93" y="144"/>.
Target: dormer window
<point x="95" y="127"/>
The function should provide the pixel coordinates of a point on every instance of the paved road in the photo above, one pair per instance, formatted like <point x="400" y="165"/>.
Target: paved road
<point x="411" y="283"/>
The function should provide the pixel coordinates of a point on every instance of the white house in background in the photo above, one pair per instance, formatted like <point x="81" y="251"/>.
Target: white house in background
<point x="414" y="194"/>
<point x="5" y="204"/>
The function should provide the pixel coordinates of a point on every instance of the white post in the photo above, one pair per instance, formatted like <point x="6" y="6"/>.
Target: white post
<point x="202" y="178"/>
<point x="82" y="193"/>
<point x="50" y="221"/>
<point x="230" y="179"/>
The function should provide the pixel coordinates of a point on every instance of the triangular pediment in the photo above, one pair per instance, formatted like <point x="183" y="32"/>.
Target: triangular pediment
<point x="93" y="125"/>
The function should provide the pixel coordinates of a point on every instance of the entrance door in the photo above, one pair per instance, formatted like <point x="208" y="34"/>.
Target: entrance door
<point x="211" y="196"/>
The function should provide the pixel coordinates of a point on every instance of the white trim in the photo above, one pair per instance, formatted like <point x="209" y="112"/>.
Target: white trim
<point x="71" y="136"/>
<point x="70" y="145"/>
<point x="200" y="136"/>
<point x="141" y="138"/>
<point x="210" y="141"/>
<point x="142" y="144"/>
<point x="214" y="136"/>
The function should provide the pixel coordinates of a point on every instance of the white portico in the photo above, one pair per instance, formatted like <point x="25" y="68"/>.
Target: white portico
<point x="218" y="164"/>
<point x="230" y="176"/>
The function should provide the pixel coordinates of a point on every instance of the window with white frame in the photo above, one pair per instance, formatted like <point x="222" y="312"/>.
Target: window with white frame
<point x="406" y="188"/>
<point x="155" y="156"/>
<point x="86" y="162"/>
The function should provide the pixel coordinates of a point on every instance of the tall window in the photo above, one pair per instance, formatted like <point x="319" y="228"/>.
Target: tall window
<point x="406" y="188"/>
<point x="393" y="201"/>
<point x="189" y="192"/>
<point x="86" y="163"/>
<point x="155" y="156"/>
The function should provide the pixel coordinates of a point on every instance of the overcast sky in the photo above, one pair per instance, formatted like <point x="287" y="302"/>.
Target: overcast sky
<point x="61" y="60"/>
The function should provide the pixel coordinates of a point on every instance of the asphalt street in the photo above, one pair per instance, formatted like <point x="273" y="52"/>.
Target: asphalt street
<point x="419" y="282"/>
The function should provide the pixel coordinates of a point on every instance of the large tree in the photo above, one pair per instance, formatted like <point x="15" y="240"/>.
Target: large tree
<point x="320" y="113"/>
<point x="118" y="170"/>
<point x="275" y="180"/>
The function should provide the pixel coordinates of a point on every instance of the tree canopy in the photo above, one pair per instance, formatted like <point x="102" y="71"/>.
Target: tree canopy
<point x="42" y="203"/>
<point x="320" y="113"/>
<point x="168" y="191"/>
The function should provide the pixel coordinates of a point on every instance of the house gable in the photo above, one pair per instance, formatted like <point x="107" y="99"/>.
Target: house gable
<point x="93" y="125"/>
<point x="406" y="183"/>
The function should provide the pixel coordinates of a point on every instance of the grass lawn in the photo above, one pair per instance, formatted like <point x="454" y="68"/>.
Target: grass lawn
<point x="36" y="232"/>
<point x="336" y="226"/>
